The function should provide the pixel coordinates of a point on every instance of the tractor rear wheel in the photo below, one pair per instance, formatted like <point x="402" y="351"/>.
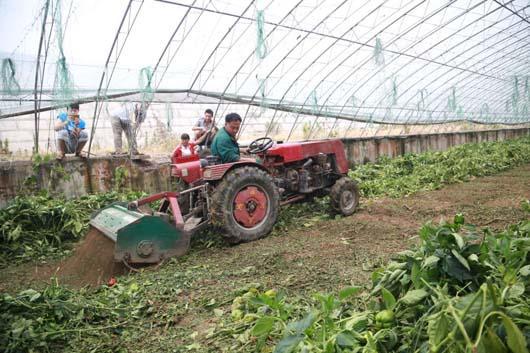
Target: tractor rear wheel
<point x="245" y="204"/>
<point x="344" y="196"/>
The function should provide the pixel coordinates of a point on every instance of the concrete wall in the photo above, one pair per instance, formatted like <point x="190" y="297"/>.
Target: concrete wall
<point x="75" y="177"/>
<point x="363" y="150"/>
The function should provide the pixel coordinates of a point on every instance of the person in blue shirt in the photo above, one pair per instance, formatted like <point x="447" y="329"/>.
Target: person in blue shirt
<point x="71" y="134"/>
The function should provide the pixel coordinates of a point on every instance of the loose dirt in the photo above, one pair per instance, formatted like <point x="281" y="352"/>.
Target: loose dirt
<point x="91" y="264"/>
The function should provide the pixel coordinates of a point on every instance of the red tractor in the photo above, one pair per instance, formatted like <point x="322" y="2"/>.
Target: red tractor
<point x="241" y="197"/>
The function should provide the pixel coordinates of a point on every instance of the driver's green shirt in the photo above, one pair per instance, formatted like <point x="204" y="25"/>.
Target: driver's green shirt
<point x="225" y="146"/>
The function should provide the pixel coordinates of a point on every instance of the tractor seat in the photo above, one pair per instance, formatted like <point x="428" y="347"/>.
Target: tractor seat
<point x="213" y="160"/>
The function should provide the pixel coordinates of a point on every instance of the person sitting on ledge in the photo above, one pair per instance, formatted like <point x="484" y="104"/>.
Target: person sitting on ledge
<point x="71" y="134"/>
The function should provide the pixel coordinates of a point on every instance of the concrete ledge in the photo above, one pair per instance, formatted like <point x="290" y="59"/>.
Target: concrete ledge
<point x="362" y="150"/>
<point x="75" y="177"/>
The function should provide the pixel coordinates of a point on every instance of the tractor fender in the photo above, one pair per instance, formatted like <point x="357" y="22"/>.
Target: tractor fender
<point x="217" y="172"/>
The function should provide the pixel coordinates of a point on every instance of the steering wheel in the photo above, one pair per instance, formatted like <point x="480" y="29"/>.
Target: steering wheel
<point x="260" y="145"/>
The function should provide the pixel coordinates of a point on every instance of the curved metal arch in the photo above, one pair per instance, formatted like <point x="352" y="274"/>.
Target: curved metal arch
<point x="99" y="94"/>
<point x="471" y="92"/>
<point x="364" y="44"/>
<point x="159" y="78"/>
<point x="480" y="61"/>
<point x="425" y="65"/>
<point x="276" y="25"/>
<point x="219" y="43"/>
<point x="472" y="107"/>
<point x="448" y="50"/>
<point x="335" y="38"/>
<point x="307" y="33"/>
<point x="410" y="76"/>
<point x="252" y="54"/>
<point x="395" y="58"/>
<point x="502" y="65"/>
<point x="37" y="113"/>
<point x="444" y="121"/>
<point x="401" y="34"/>
<point x="322" y="53"/>
<point x="271" y="49"/>
<point x="168" y="44"/>
<point x="444" y="84"/>
<point x="468" y="73"/>
<point x="256" y="66"/>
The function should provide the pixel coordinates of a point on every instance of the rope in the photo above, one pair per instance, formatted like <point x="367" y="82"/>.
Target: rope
<point x="484" y="111"/>
<point x="394" y="91"/>
<point x="261" y="47"/>
<point x="451" y="101"/>
<point x="422" y="93"/>
<point x="378" y="53"/>
<point x="515" y="96"/>
<point x="144" y="81"/>
<point x="169" y="115"/>
<point x="9" y="81"/>
<point x="314" y="102"/>
<point x="63" y="85"/>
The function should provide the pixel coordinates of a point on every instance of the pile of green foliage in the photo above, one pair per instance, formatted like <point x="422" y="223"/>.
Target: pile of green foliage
<point x="47" y="320"/>
<point x="39" y="226"/>
<point x="458" y="291"/>
<point x="431" y="170"/>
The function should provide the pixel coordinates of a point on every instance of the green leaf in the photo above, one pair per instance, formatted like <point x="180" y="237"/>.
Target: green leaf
<point x="525" y="271"/>
<point x="516" y="290"/>
<point x="460" y="259"/>
<point x="415" y="275"/>
<point x="429" y="261"/>
<point x="515" y="339"/>
<point x="357" y="322"/>
<point x="459" y="240"/>
<point x="263" y="326"/>
<point x="414" y="296"/>
<point x="437" y="328"/>
<point x="346" y="339"/>
<point x="459" y="219"/>
<point x="348" y="292"/>
<point x="301" y="325"/>
<point x="288" y="343"/>
<point x="492" y="342"/>
<point x="388" y="299"/>
<point x="35" y="297"/>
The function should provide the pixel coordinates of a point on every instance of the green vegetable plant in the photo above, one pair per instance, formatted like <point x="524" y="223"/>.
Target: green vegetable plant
<point x="41" y="226"/>
<point x="410" y="173"/>
<point x="459" y="290"/>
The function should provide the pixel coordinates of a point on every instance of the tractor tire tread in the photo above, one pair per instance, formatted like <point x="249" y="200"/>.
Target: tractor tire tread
<point x="224" y="193"/>
<point x="337" y="189"/>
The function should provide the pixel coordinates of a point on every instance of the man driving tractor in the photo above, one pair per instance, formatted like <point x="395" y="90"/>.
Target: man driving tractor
<point x="224" y="144"/>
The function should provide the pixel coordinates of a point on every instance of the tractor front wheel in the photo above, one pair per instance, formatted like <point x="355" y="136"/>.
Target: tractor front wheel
<point x="245" y="204"/>
<point x="344" y="196"/>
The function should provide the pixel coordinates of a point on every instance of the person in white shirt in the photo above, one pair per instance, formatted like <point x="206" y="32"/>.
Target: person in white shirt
<point x="205" y="129"/>
<point x="123" y="119"/>
<point x="185" y="148"/>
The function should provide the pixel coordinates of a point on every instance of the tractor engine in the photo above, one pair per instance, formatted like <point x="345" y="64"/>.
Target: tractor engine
<point x="306" y="176"/>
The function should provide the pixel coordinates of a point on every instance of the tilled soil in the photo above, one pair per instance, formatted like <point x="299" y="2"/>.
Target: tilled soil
<point x="326" y="255"/>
